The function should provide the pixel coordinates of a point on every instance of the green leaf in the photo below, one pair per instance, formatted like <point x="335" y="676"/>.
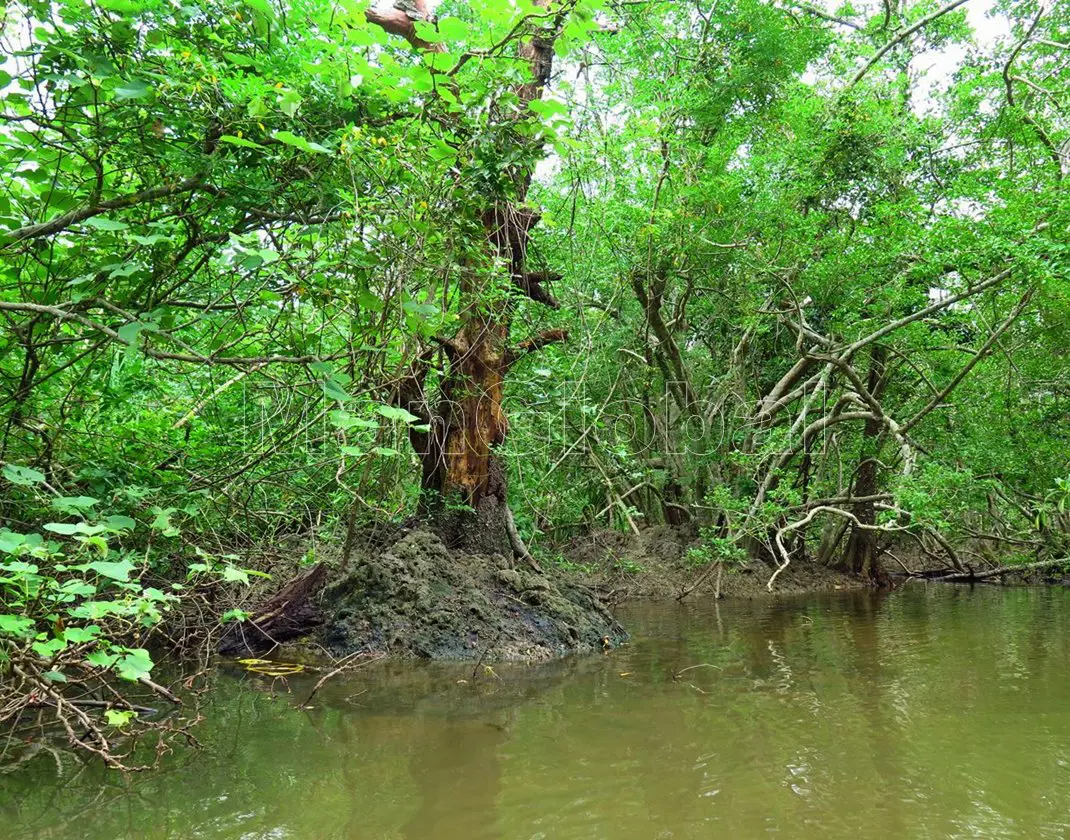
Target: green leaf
<point x="162" y="521"/>
<point x="151" y="239"/>
<point x="25" y="476"/>
<point x="291" y="139"/>
<point x="232" y="574"/>
<point x="241" y="141"/>
<point x="132" y="89"/>
<point x="335" y="391"/>
<point x="127" y="7"/>
<point x="48" y="648"/>
<point x="135" y="664"/>
<point x="17" y="567"/>
<point x="101" y="659"/>
<point x="452" y="29"/>
<point x="290" y="103"/>
<point x="391" y="412"/>
<point x="73" y="504"/>
<point x="119" y="717"/>
<point x="425" y="31"/>
<point x="345" y="420"/>
<point x="118" y="570"/>
<point x="128" y="333"/>
<point x="440" y="61"/>
<point x="69" y="529"/>
<point x="102" y="223"/>
<point x="130" y="663"/>
<point x="16" y="625"/>
<point x="261" y="6"/>
<point x="118" y="522"/>
<point x="79" y="635"/>
<point x="99" y="543"/>
<point x="76" y="589"/>
<point x="240" y="60"/>
<point x="94" y="610"/>
<point x="11" y="542"/>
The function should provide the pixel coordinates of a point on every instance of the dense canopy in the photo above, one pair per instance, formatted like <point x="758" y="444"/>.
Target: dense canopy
<point x="791" y="274"/>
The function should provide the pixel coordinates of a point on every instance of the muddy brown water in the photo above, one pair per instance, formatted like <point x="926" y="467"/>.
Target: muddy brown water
<point x="935" y="712"/>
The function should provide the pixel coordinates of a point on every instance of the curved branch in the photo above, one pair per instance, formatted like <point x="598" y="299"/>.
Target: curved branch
<point x="82" y="213"/>
<point x="1008" y="83"/>
<point x="898" y="39"/>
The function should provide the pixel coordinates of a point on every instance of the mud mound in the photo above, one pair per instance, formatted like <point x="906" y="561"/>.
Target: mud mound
<point x="418" y="598"/>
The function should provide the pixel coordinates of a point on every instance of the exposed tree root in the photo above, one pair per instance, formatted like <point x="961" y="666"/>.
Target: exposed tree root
<point x="519" y="549"/>
<point x="287" y="615"/>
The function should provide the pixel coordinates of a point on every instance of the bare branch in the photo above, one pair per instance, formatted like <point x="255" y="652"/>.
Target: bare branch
<point x="537" y="342"/>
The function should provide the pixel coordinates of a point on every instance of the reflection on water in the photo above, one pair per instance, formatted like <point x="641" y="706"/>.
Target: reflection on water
<point x="934" y="712"/>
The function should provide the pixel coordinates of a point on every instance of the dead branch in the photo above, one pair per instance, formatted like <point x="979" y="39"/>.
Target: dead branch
<point x="1003" y="570"/>
<point x="533" y="344"/>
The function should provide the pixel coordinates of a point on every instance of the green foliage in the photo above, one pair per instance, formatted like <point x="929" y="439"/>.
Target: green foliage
<point x="237" y="239"/>
<point x="67" y="607"/>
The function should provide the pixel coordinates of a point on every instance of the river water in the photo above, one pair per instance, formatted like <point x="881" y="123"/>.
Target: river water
<point x="934" y="712"/>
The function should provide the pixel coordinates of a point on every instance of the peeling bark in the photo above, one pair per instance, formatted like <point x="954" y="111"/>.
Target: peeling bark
<point x="463" y="482"/>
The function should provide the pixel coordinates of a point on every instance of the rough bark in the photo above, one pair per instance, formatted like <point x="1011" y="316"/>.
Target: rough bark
<point x="862" y="548"/>
<point x="463" y="482"/>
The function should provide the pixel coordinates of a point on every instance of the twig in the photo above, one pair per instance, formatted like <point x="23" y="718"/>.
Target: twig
<point x="486" y="650"/>
<point x="342" y="665"/>
<point x="159" y="689"/>
<point x="683" y="671"/>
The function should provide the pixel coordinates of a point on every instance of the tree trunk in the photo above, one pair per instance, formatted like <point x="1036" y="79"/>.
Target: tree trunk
<point x="862" y="550"/>
<point x="463" y="486"/>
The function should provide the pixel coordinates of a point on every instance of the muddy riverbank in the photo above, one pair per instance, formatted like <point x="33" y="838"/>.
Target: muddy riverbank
<point x="405" y="593"/>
